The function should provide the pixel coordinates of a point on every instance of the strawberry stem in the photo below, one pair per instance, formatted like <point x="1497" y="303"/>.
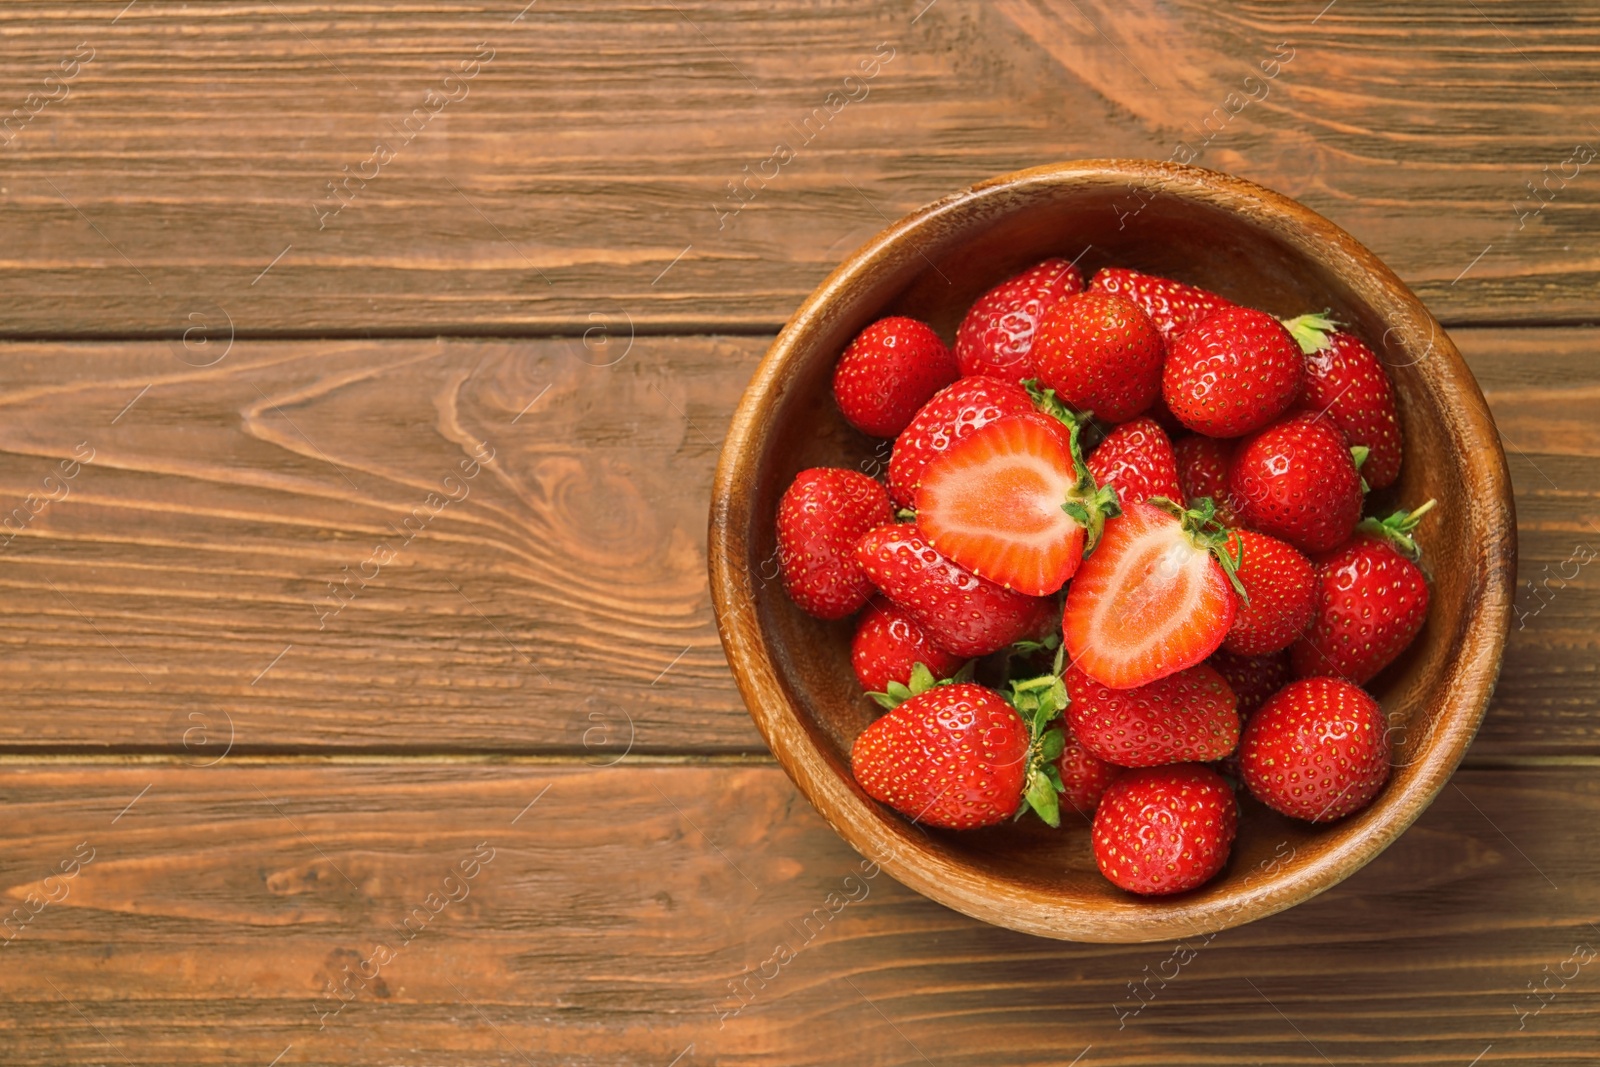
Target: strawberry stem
<point x="1397" y="529"/>
<point x="1200" y="525"/>
<point x="1089" y="505"/>
<point x="1311" y="331"/>
<point x="1040" y="701"/>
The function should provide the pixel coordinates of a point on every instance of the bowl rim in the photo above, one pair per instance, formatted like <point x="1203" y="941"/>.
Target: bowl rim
<point x="883" y="837"/>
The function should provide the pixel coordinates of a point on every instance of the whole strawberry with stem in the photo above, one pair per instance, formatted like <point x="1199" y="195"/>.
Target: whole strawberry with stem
<point x="1173" y="306"/>
<point x="888" y="372"/>
<point x="1253" y="679"/>
<point x="954" y="412"/>
<point x="1318" y="750"/>
<point x="1187" y="717"/>
<point x="1162" y="830"/>
<point x="996" y="335"/>
<point x="1203" y="463"/>
<point x="1100" y="353"/>
<point x="1374" y="600"/>
<point x="1136" y="459"/>
<point x="1298" y="480"/>
<point x="1346" y="380"/>
<point x="888" y="645"/>
<point x="1232" y="373"/>
<point x="1280" y="594"/>
<point x="821" y="516"/>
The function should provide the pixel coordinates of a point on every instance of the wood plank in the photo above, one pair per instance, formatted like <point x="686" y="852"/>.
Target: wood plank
<point x="584" y="167"/>
<point x="606" y="923"/>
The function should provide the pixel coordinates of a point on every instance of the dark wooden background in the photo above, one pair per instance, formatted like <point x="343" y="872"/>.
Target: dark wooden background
<point x="551" y="269"/>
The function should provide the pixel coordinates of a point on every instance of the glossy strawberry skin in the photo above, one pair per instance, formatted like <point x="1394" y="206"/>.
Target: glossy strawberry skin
<point x="1172" y="306"/>
<point x="954" y="412"/>
<point x="1347" y="381"/>
<point x="821" y="517"/>
<point x="1232" y="373"/>
<point x="955" y="756"/>
<point x="996" y="336"/>
<point x="1162" y="830"/>
<point x="1281" y="594"/>
<point x="1203" y="463"/>
<point x="1100" y="353"/>
<point x="1253" y="679"/>
<point x="1136" y="459"/>
<point x="1296" y="480"/>
<point x="1188" y="717"/>
<point x="1373" y="602"/>
<point x="1318" y="750"/>
<point x="1084" y="776"/>
<point x="888" y="372"/>
<point x="887" y="644"/>
<point x="960" y="612"/>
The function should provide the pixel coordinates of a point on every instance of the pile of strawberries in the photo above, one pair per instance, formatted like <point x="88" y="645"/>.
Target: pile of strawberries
<point x="1196" y="602"/>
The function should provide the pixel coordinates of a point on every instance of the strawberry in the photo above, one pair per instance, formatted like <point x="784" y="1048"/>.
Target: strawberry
<point x="821" y="516"/>
<point x="1297" y="480"/>
<point x="887" y="645"/>
<point x="954" y="412"/>
<point x="959" y="611"/>
<point x="1374" y="599"/>
<point x="889" y="371"/>
<point x="1155" y="598"/>
<point x="1172" y="306"/>
<point x="1084" y="776"/>
<point x="1345" y="380"/>
<point x="1232" y="373"/>
<point x="1101" y="354"/>
<point x="1188" y="717"/>
<point x="1319" y="750"/>
<point x="1014" y="503"/>
<point x="1136" y="459"/>
<point x="1280" y="594"/>
<point x="1203" y="464"/>
<point x="996" y="335"/>
<point x="1252" y="678"/>
<point x="1163" y="830"/>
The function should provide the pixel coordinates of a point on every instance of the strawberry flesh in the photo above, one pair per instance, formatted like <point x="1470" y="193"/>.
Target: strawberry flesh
<point x="954" y="412"/>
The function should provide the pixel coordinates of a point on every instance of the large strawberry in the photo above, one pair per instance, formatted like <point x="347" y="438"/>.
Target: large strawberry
<point x="996" y="336"/>
<point x="1156" y="597"/>
<point x="1319" y="750"/>
<point x="1163" y="830"/>
<point x="1203" y="464"/>
<point x="888" y="645"/>
<point x="820" y="518"/>
<point x="1100" y="353"/>
<point x="1345" y="380"/>
<point x="1297" y="480"/>
<point x="1172" y="306"/>
<point x="1232" y="373"/>
<point x="953" y="413"/>
<point x="1188" y="717"/>
<point x="1252" y="678"/>
<point x="959" y="611"/>
<point x="888" y="372"/>
<point x="1374" y="600"/>
<point x="1136" y="459"/>
<point x="1280" y="594"/>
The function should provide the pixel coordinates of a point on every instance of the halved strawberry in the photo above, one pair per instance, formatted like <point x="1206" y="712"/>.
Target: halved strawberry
<point x="1171" y="305"/>
<point x="996" y="335"/>
<point x="954" y="412"/>
<point x="1188" y="717"/>
<point x="1136" y="460"/>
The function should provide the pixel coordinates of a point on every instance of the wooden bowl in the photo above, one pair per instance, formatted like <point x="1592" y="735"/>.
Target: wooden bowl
<point x="1253" y="246"/>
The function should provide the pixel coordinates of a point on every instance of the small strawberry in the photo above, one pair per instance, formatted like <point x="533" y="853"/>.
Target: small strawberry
<point x="821" y="516"/>
<point x="1156" y="597"/>
<point x="996" y="336"/>
<point x="953" y="413"/>
<point x="1252" y="678"/>
<point x="888" y="645"/>
<point x="1163" y="830"/>
<point x="1345" y="380"/>
<point x="1136" y="459"/>
<point x="1319" y="750"/>
<point x="1172" y="306"/>
<point x="1280" y="594"/>
<point x="1232" y="373"/>
<point x="1084" y="776"/>
<point x="960" y="612"/>
<point x="889" y="371"/>
<point x="1203" y="464"/>
<point x="1188" y="717"/>
<point x="1100" y="353"/>
<point x="1297" y="480"/>
<point x="1374" y="600"/>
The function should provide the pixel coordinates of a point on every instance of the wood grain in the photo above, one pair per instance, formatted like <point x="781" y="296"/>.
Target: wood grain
<point x="584" y="168"/>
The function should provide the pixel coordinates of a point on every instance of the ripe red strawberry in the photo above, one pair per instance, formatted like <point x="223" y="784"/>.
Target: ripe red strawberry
<point x="1319" y="750"/>
<point x="822" y="515"/>
<point x="1232" y="373"/>
<point x="960" y="612"/>
<point x="1374" y="600"/>
<point x="1345" y="380"/>
<point x="1153" y="599"/>
<point x="1163" y="830"/>
<point x="1203" y="464"/>
<point x="1280" y="594"/>
<point x="1297" y="480"/>
<point x="1136" y="459"/>
<point x="954" y="412"/>
<point x="1252" y="678"/>
<point x="1014" y="503"/>
<point x="996" y="336"/>
<point x="1084" y="776"/>
<point x="888" y="372"/>
<point x="1188" y="717"/>
<point x="1100" y="353"/>
<point x="888" y="644"/>
<point x="1172" y="306"/>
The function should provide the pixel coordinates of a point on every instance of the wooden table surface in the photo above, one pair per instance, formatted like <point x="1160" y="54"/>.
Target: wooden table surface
<point x="290" y="281"/>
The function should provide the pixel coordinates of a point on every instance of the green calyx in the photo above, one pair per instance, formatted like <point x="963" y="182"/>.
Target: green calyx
<point x="1040" y="701"/>
<point x="1359" y="454"/>
<point x="905" y="515"/>
<point x="1311" y="331"/>
<point x="921" y="681"/>
<point x="1397" y="529"/>
<point x="1200" y="526"/>
<point x="1089" y="505"/>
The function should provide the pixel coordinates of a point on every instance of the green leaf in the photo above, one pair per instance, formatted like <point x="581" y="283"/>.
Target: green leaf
<point x="885" y="700"/>
<point x="905" y="515"/>
<point x="1052" y="745"/>
<point x="922" y="678"/>
<point x="1311" y="331"/>
<point x="1359" y="453"/>
<point x="1397" y="529"/>
<point x="1043" y="798"/>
